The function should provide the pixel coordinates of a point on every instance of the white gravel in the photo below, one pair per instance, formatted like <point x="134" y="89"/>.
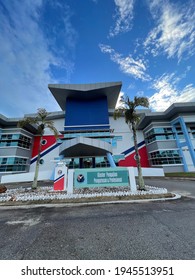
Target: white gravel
<point x="47" y="193"/>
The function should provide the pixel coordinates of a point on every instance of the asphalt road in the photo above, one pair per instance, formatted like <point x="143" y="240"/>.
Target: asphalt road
<point x="183" y="187"/>
<point x="148" y="230"/>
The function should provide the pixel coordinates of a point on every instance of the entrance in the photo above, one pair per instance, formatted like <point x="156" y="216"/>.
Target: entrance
<point x="88" y="162"/>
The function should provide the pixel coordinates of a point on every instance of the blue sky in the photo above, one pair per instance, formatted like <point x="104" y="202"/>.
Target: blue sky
<point x="149" y="45"/>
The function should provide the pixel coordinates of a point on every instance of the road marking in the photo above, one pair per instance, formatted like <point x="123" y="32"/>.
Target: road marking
<point x="29" y="222"/>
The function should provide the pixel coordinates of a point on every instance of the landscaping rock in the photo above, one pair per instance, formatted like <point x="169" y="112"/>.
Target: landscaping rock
<point x="3" y="189"/>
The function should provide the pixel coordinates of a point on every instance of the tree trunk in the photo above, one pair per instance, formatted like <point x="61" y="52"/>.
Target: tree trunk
<point x="34" y="186"/>
<point x="140" y="177"/>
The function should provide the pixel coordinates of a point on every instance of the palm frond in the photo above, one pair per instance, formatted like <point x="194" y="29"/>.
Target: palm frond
<point x="141" y="101"/>
<point x="118" y="112"/>
<point x="51" y="126"/>
<point x="41" y="121"/>
<point x="26" y="121"/>
<point x="42" y="114"/>
<point x="128" y="108"/>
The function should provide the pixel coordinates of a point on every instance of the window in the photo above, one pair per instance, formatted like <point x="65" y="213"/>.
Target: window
<point x="3" y="160"/>
<point x="13" y="164"/>
<point x="192" y="130"/>
<point x="180" y="134"/>
<point x="101" y="162"/>
<point x="115" y="139"/>
<point x="15" y="140"/>
<point x="43" y="142"/>
<point x="159" y="133"/>
<point x="162" y="157"/>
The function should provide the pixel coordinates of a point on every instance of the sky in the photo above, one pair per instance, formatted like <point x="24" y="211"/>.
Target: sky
<point x="148" y="45"/>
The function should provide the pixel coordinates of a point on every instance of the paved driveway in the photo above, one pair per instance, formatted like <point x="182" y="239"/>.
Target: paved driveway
<point x="148" y="230"/>
<point x="183" y="187"/>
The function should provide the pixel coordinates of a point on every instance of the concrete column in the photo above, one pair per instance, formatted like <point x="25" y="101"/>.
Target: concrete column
<point x="111" y="160"/>
<point x="132" y="181"/>
<point x="70" y="181"/>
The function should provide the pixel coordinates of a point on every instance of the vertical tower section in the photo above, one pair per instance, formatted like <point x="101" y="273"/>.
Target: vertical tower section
<point x="86" y="114"/>
<point x="87" y="138"/>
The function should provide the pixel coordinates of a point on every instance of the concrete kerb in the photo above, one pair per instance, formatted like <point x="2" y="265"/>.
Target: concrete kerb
<point x="180" y="178"/>
<point x="71" y="204"/>
<point x="79" y="204"/>
<point x="169" y="178"/>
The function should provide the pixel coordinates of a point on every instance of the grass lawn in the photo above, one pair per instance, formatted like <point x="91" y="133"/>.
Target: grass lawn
<point x="181" y="174"/>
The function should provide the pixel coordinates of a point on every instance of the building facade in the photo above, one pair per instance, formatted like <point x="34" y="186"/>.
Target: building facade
<point x="90" y="137"/>
<point x="170" y="137"/>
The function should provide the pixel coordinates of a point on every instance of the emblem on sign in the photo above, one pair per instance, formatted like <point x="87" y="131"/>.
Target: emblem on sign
<point x="80" y="178"/>
<point x="59" y="172"/>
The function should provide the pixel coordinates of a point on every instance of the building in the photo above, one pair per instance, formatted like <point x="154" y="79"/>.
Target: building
<point x="170" y="137"/>
<point x="90" y="137"/>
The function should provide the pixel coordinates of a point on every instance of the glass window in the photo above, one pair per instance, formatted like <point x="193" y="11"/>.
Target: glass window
<point x="4" y="161"/>
<point x="10" y="160"/>
<point x="159" y="133"/>
<point x="13" y="164"/>
<point x="15" y="136"/>
<point x="102" y="162"/>
<point x="165" y="157"/>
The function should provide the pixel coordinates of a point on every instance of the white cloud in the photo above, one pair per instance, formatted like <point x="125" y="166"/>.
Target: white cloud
<point x="118" y="103"/>
<point x="187" y="94"/>
<point x="167" y="92"/>
<point x="27" y="58"/>
<point x="174" y="34"/>
<point x="123" y="16"/>
<point x="127" y="65"/>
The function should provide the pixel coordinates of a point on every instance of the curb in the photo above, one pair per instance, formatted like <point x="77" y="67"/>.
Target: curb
<point x="180" y="178"/>
<point x="79" y="204"/>
<point x="169" y="178"/>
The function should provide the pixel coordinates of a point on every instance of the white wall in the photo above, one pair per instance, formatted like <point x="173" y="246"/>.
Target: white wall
<point x="59" y="125"/>
<point x="151" y="172"/>
<point x="46" y="175"/>
<point x="25" y="177"/>
<point x="122" y="129"/>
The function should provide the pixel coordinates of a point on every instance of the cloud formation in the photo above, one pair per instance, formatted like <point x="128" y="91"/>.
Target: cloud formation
<point x="27" y="57"/>
<point x="174" y="33"/>
<point x="167" y="92"/>
<point x="123" y="17"/>
<point x="127" y="65"/>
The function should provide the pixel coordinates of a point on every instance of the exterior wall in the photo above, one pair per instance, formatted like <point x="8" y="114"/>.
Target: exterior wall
<point x="15" y="151"/>
<point x="122" y="144"/>
<point x="90" y="113"/>
<point x="173" y="169"/>
<point x="161" y="145"/>
<point x="126" y="144"/>
<point x="186" y="124"/>
<point x="49" y="149"/>
<point x="171" y="144"/>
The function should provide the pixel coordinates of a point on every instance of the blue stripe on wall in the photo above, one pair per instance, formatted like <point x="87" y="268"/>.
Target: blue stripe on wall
<point x="133" y="148"/>
<point x="46" y="152"/>
<point x="59" y="178"/>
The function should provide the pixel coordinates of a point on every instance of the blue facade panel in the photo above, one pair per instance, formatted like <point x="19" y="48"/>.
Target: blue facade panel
<point x="89" y="114"/>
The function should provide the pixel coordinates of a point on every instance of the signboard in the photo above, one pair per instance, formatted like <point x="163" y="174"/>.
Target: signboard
<point x="101" y="177"/>
<point x="60" y="177"/>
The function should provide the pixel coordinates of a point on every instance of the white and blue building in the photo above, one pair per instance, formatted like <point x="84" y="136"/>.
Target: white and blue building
<point x="91" y="138"/>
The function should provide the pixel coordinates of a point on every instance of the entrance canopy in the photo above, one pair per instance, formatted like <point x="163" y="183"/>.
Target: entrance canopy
<point x="86" y="91"/>
<point x="84" y="147"/>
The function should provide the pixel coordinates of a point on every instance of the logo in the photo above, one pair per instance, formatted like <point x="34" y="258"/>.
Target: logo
<point x="59" y="172"/>
<point x="80" y="178"/>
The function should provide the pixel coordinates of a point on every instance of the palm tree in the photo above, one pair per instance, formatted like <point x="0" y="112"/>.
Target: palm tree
<point x="42" y="122"/>
<point x="128" y="109"/>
